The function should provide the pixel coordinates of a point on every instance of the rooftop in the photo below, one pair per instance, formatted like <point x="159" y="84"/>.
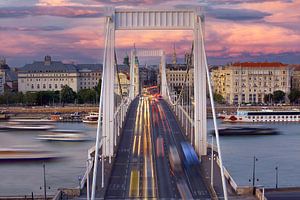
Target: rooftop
<point x="259" y="64"/>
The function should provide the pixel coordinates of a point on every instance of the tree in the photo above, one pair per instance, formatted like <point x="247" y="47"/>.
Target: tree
<point x="67" y="94"/>
<point x="98" y="89"/>
<point x="86" y="96"/>
<point x="218" y="98"/>
<point x="278" y="96"/>
<point x="294" y="96"/>
<point x="268" y="98"/>
<point x="30" y="98"/>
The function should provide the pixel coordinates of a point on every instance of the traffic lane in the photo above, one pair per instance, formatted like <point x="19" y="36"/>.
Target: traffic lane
<point x="149" y="186"/>
<point x="166" y="183"/>
<point x="133" y="188"/>
<point x="178" y="176"/>
<point x="120" y="171"/>
<point x="194" y="178"/>
<point x="283" y="195"/>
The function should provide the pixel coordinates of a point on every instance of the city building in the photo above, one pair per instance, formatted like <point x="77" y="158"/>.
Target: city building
<point x="53" y="75"/>
<point x="88" y="75"/>
<point x="2" y="82"/>
<point x="249" y="82"/>
<point x="295" y="77"/>
<point x="177" y="74"/>
<point x="124" y="82"/>
<point x="8" y="76"/>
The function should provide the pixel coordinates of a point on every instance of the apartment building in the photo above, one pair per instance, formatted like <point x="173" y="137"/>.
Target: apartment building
<point x="250" y="81"/>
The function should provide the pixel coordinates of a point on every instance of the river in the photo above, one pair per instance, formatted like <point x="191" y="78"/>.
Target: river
<point x="277" y="150"/>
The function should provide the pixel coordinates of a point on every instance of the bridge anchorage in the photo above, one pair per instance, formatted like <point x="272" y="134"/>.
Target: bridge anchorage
<point x="189" y="104"/>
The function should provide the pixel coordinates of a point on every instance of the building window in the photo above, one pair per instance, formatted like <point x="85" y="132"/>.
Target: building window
<point x="38" y="86"/>
<point x="55" y="86"/>
<point x="44" y="86"/>
<point x="50" y="86"/>
<point x="32" y="86"/>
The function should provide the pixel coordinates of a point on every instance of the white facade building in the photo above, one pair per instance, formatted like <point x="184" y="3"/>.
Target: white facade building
<point x="53" y="75"/>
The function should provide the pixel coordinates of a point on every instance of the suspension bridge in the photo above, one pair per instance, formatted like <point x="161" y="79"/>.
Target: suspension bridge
<point x="146" y="146"/>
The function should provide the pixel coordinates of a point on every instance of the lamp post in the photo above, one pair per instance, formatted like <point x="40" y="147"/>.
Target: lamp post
<point x="212" y="163"/>
<point x="88" y="179"/>
<point x="45" y="190"/>
<point x="45" y="184"/>
<point x="276" y="169"/>
<point x="253" y="175"/>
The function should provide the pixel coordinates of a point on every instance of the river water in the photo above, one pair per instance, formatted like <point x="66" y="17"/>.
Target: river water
<point x="281" y="150"/>
<point x="24" y="178"/>
<point x="278" y="150"/>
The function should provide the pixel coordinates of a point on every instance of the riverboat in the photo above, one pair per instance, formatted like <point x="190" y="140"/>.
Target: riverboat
<point x="264" y="115"/>
<point x="240" y="130"/>
<point x="28" y="124"/>
<point x="26" y="154"/>
<point x="64" y="136"/>
<point x="92" y="118"/>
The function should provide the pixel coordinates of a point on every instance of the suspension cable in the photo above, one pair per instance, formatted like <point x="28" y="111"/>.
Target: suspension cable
<point x="118" y="76"/>
<point x="185" y="79"/>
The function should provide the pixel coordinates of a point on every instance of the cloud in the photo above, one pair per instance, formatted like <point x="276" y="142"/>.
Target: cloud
<point x="132" y="2"/>
<point x="59" y="11"/>
<point x="42" y="28"/>
<point x="236" y="14"/>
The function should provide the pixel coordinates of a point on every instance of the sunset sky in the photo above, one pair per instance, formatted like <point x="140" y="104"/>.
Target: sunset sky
<point x="72" y="30"/>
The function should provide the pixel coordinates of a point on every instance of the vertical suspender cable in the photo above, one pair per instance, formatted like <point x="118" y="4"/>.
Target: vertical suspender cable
<point x="214" y="117"/>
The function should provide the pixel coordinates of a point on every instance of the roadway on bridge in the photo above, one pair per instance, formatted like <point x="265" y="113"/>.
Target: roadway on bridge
<point x="142" y="167"/>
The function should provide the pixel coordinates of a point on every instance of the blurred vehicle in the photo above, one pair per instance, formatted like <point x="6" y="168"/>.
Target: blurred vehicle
<point x="160" y="146"/>
<point x="184" y="190"/>
<point x="174" y="158"/>
<point x="190" y="157"/>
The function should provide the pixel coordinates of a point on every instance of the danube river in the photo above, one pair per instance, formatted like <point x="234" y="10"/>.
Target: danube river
<point x="278" y="150"/>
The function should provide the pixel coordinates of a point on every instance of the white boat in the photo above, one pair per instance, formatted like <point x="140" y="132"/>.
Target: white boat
<point x="64" y="137"/>
<point x="28" y="124"/>
<point x="264" y="115"/>
<point x="26" y="154"/>
<point x="92" y="118"/>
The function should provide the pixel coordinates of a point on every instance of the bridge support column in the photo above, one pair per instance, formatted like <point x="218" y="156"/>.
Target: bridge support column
<point x="132" y="64"/>
<point x="199" y="91"/>
<point x="108" y="93"/>
<point x="163" y="87"/>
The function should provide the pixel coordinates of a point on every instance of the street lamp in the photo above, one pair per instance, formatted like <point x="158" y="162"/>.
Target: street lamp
<point x="45" y="184"/>
<point x="253" y="175"/>
<point x="276" y="169"/>
<point x="88" y="179"/>
<point x="212" y="163"/>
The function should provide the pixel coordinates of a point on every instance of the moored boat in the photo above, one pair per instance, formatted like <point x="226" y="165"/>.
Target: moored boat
<point x="92" y="118"/>
<point x="264" y="115"/>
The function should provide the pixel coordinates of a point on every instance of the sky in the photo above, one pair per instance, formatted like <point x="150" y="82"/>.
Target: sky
<point x="73" y="30"/>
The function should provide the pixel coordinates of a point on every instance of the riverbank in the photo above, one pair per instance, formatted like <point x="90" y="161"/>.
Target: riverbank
<point x="94" y="108"/>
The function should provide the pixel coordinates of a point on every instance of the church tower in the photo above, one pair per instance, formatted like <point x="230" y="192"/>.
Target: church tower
<point x="174" y="57"/>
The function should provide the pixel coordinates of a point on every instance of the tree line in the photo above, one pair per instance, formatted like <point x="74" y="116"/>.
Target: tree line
<point x="42" y="98"/>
